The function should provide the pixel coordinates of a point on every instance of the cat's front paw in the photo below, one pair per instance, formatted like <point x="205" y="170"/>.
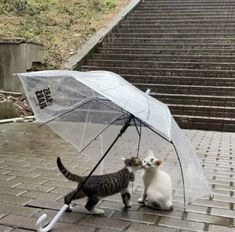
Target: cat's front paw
<point x="128" y="206"/>
<point x="97" y="211"/>
<point x="69" y="209"/>
<point x="140" y="200"/>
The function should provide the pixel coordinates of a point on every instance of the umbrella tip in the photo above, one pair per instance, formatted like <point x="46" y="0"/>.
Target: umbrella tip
<point x="148" y="91"/>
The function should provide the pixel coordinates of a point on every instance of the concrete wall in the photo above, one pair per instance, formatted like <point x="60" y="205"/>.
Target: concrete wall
<point x="17" y="56"/>
<point x="7" y="110"/>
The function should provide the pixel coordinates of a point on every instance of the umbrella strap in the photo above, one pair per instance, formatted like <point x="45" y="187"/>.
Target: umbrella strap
<point x="123" y="129"/>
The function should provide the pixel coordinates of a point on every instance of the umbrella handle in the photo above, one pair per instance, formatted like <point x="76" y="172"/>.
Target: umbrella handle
<point x="52" y="223"/>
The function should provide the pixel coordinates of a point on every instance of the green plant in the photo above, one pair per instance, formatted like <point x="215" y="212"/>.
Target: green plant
<point x="111" y="4"/>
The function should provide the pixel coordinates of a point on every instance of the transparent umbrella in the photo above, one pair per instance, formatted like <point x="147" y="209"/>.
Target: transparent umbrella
<point x="90" y="108"/>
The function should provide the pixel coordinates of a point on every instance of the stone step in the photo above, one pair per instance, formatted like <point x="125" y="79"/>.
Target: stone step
<point x="200" y="9"/>
<point x="163" y="64"/>
<point x="190" y="99"/>
<point x="162" y="72"/>
<point x="211" y="16"/>
<point x="206" y="123"/>
<point x="183" y="50"/>
<point x="163" y="51"/>
<point x="189" y="3"/>
<point x="201" y="110"/>
<point x="174" y="35"/>
<point x="154" y="29"/>
<point x="181" y="21"/>
<point x="162" y="57"/>
<point x="206" y="81"/>
<point x="182" y="14"/>
<point x="154" y="2"/>
<point x="188" y="89"/>
<point x="172" y="24"/>
<point x="189" y="8"/>
<point x="205" y="40"/>
<point x="180" y="45"/>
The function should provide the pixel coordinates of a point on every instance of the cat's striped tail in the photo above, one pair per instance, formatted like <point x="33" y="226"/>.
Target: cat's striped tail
<point x="66" y="172"/>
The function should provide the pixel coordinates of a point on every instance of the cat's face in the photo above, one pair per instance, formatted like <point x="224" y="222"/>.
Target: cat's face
<point x="150" y="161"/>
<point x="133" y="162"/>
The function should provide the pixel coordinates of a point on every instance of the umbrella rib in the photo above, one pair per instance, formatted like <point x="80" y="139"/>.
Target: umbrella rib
<point x="70" y="110"/>
<point x="99" y="100"/>
<point x="144" y="123"/>
<point x="116" y="119"/>
<point x="181" y="168"/>
<point x="182" y="174"/>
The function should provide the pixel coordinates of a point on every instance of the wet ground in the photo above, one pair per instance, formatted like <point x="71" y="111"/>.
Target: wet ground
<point x="30" y="185"/>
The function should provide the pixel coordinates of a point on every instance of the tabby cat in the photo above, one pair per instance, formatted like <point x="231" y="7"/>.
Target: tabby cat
<point x="99" y="186"/>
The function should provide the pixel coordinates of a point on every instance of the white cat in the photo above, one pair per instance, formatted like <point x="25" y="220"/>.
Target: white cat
<point x="157" y="185"/>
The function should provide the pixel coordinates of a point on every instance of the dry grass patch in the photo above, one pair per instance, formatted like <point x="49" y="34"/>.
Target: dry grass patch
<point x="61" y="25"/>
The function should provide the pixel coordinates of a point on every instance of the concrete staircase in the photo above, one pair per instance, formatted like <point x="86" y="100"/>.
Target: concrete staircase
<point x="184" y="51"/>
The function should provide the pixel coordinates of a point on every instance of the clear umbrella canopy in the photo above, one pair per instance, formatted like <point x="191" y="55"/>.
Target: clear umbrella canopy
<point x="88" y="109"/>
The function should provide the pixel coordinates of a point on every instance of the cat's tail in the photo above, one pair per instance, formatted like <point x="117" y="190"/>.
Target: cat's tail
<point x="66" y="172"/>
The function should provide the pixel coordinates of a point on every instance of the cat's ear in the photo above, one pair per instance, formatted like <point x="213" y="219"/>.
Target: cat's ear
<point x="126" y="161"/>
<point x="150" y="153"/>
<point x="158" y="162"/>
<point x="123" y="158"/>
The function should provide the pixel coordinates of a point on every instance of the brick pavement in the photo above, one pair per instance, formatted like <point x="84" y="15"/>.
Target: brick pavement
<point x="31" y="185"/>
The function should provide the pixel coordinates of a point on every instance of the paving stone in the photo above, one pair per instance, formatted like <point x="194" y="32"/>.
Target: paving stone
<point x="53" y="176"/>
<point x="15" y="166"/>
<point x="172" y="214"/>
<point x="5" y="228"/>
<point x="221" y="208"/>
<point x="136" y="217"/>
<point x="214" y="204"/>
<point x="62" y="227"/>
<point x="186" y="231"/>
<point x="35" y="187"/>
<point x="20" y="230"/>
<point x="117" y="205"/>
<point x="103" y="222"/>
<point x="59" y="190"/>
<point x="8" y="199"/>
<point x="19" y="222"/>
<point x="134" y="227"/>
<point x="225" y="188"/>
<point x="56" y="205"/>
<point x="197" y="209"/>
<point x="11" y="191"/>
<point x="181" y="224"/>
<point x="63" y="184"/>
<point x="105" y="230"/>
<point x="230" y="199"/>
<point x="214" y="228"/>
<point x="210" y="219"/>
<point x="221" y="192"/>
<point x="2" y="215"/>
<point x="18" y="210"/>
<point x="223" y="213"/>
<point x="80" y="209"/>
<point x="31" y="174"/>
<point x="6" y="178"/>
<point x="72" y="217"/>
<point x="10" y="183"/>
<point x="42" y="196"/>
<point x="3" y="171"/>
<point x="29" y="180"/>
